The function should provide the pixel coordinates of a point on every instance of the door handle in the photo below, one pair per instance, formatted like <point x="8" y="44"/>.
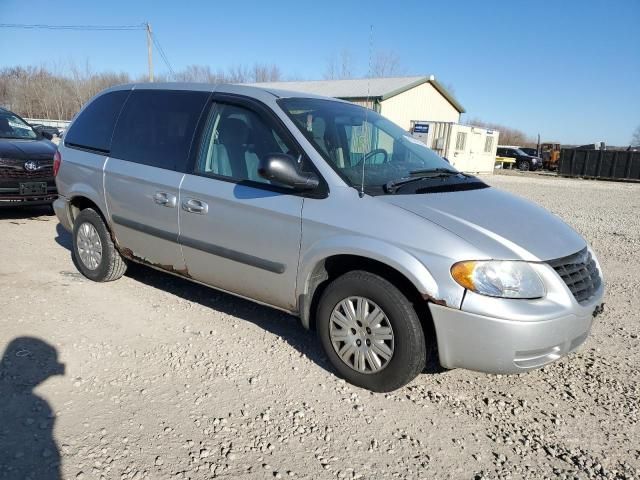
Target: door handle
<point x="195" y="206"/>
<point x="165" y="199"/>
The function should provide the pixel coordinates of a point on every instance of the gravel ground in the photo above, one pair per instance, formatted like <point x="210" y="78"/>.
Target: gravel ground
<point x="167" y="379"/>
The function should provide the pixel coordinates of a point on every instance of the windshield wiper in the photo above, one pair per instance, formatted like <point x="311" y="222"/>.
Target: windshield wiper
<point x="433" y="170"/>
<point x="418" y="175"/>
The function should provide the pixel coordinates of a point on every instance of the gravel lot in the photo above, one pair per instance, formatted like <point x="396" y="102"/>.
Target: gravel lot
<point x="166" y="379"/>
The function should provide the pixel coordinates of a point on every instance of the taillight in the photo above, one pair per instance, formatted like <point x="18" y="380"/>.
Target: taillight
<point x="57" y="161"/>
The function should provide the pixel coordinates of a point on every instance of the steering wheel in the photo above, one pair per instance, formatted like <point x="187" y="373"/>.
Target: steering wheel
<point x="372" y="153"/>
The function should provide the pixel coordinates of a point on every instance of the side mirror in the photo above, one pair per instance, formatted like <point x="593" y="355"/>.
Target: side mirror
<point x="46" y="134"/>
<point x="283" y="168"/>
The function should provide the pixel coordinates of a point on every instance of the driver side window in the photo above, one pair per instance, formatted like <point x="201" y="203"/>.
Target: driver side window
<point x="233" y="143"/>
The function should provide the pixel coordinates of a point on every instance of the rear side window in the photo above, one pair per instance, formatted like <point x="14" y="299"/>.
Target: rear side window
<point x="94" y="126"/>
<point x="156" y="127"/>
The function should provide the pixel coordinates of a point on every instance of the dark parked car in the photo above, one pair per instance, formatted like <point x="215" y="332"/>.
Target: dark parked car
<point x="46" y="131"/>
<point x="533" y="152"/>
<point x="523" y="161"/>
<point x="26" y="163"/>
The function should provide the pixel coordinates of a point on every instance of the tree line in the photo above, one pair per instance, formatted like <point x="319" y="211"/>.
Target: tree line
<point x="508" y="135"/>
<point x="58" y="93"/>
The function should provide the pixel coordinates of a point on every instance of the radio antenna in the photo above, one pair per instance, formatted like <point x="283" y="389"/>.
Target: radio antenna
<point x="366" y="111"/>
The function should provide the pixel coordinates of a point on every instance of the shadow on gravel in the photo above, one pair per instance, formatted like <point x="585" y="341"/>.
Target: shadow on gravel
<point x="25" y="212"/>
<point x="64" y="238"/>
<point x="27" y="447"/>
<point x="279" y="323"/>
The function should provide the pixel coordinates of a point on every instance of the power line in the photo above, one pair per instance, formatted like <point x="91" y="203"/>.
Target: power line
<point x="142" y="26"/>
<point x="156" y="42"/>
<point x="72" y="27"/>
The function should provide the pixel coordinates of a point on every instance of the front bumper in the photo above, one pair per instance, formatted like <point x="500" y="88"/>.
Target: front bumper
<point x="9" y="200"/>
<point x="499" y="335"/>
<point x="10" y="193"/>
<point x="492" y="345"/>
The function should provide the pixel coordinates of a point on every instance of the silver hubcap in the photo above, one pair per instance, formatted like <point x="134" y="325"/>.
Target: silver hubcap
<point x="361" y="335"/>
<point x="89" y="246"/>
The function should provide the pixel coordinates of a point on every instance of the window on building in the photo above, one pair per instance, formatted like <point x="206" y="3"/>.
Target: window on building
<point x="461" y="141"/>
<point x="488" y="145"/>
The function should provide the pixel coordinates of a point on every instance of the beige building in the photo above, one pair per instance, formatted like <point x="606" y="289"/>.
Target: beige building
<point x="400" y="99"/>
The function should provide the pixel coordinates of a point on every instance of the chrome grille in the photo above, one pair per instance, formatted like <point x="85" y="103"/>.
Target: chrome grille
<point x="580" y="274"/>
<point x="11" y="169"/>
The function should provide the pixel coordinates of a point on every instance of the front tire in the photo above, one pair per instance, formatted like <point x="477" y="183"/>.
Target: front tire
<point x="94" y="253"/>
<point x="524" y="166"/>
<point x="370" y="332"/>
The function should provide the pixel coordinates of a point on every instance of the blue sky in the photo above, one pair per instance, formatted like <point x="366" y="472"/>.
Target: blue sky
<point x="569" y="70"/>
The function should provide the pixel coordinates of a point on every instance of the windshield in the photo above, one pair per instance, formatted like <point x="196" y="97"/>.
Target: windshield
<point x="349" y="137"/>
<point x="11" y="126"/>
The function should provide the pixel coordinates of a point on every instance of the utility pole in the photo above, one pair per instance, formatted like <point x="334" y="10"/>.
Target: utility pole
<point x="149" y="51"/>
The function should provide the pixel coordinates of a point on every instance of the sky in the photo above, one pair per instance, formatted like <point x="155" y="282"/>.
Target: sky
<point x="568" y="70"/>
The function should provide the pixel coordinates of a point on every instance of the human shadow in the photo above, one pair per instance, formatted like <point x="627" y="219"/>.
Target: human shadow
<point x="27" y="447"/>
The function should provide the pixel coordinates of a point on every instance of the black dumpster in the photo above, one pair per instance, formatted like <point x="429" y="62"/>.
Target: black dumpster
<point x="603" y="164"/>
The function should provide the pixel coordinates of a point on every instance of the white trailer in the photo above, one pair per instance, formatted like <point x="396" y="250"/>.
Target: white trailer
<point x="468" y="148"/>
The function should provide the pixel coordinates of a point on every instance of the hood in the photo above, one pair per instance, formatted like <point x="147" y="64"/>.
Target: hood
<point x="19" y="149"/>
<point x="499" y="224"/>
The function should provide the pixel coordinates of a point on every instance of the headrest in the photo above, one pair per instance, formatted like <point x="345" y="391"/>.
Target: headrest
<point x="233" y="131"/>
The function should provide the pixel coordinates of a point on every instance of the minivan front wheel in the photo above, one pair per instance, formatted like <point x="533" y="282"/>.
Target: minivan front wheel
<point x="94" y="253"/>
<point x="370" y="332"/>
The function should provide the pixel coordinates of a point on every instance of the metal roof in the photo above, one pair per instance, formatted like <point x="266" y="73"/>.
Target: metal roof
<point x="375" y="88"/>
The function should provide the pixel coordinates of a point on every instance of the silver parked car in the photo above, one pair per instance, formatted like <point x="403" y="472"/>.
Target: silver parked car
<point x="329" y="211"/>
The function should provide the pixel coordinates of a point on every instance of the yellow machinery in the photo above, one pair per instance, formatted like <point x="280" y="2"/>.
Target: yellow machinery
<point x="550" y="153"/>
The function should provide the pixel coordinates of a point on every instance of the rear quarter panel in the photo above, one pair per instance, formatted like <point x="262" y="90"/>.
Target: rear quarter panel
<point x="81" y="175"/>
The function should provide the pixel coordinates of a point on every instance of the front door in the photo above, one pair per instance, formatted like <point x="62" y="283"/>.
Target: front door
<point x="238" y="231"/>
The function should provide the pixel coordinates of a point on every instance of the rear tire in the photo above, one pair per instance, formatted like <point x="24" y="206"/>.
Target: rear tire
<point x="94" y="252"/>
<point x="400" y="332"/>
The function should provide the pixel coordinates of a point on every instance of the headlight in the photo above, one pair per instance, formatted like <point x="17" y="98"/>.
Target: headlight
<point x="506" y="279"/>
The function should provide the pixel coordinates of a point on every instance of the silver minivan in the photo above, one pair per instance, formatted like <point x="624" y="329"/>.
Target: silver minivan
<point x="328" y="211"/>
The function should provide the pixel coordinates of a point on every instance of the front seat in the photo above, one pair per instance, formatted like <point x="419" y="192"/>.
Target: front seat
<point x="233" y="135"/>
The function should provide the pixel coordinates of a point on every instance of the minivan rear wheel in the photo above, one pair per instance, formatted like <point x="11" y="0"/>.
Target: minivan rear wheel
<point x="94" y="253"/>
<point x="370" y="332"/>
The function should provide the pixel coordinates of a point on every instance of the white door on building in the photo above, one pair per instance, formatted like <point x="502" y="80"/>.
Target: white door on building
<point x="475" y="152"/>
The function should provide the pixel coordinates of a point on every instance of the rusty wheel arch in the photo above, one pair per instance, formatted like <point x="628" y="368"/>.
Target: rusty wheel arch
<point x="332" y="267"/>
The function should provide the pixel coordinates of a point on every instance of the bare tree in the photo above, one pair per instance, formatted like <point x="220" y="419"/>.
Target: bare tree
<point x="508" y="135"/>
<point x="239" y="74"/>
<point x="635" y="138"/>
<point x="386" y="63"/>
<point x="59" y="91"/>
<point x="340" y="66"/>
<point x="48" y="92"/>
<point x="266" y="73"/>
